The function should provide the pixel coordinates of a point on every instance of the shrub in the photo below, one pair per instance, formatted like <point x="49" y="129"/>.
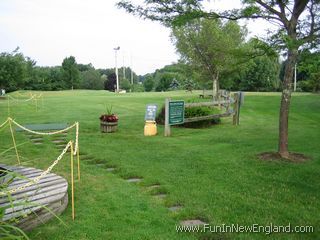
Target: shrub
<point x="192" y="112"/>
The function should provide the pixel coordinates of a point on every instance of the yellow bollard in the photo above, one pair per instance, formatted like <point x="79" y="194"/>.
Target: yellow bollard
<point x="150" y="128"/>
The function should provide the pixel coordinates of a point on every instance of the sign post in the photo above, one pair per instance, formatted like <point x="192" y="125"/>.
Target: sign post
<point x="167" y="130"/>
<point x="174" y="114"/>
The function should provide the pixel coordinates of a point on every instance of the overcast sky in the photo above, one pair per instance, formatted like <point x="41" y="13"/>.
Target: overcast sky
<point x="50" y="30"/>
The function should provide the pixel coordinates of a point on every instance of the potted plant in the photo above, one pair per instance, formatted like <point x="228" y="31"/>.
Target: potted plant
<point x="108" y="121"/>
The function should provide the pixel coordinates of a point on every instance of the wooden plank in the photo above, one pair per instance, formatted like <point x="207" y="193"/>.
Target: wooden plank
<point x="40" y="199"/>
<point x="34" y="190"/>
<point x="43" y="215"/>
<point x="30" y="176"/>
<point x="208" y="104"/>
<point x="40" y="185"/>
<point x="46" y="178"/>
<point x="208" y="117"/>
<point x="51" y="191"/>
<point x="21" y="210"/>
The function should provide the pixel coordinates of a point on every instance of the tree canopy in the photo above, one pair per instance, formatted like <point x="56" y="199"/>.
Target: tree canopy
<point x="297" y="22"/>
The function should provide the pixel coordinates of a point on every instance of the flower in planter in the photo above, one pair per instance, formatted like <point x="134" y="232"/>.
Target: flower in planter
<point x="109" y="116"/>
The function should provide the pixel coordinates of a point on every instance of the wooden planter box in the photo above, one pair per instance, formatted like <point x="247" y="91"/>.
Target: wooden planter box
<point x="108" y="127"/>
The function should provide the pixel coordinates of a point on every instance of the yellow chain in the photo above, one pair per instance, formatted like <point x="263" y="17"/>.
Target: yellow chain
<point x="3" y="124"/>
<point x="37" y="179"/>
<point x="42" y="133"/>
<point x="77" y="139"/>
<point x="76" y="124"/>
<point x="19" y="100"/>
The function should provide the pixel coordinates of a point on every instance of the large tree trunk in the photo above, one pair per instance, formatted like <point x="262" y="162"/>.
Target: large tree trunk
<point x="285" y="103"/>
<point x="215" y="86"/>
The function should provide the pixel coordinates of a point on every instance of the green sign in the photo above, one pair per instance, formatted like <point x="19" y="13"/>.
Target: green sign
<point x="176" y="112"/>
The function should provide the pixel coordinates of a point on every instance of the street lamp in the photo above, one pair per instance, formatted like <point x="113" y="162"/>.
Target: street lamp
<point x="295" y="78"/>
<point x="117" y="76"/>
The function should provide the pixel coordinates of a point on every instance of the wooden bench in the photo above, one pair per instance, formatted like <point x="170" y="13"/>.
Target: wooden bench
<point x="30" y="205"/>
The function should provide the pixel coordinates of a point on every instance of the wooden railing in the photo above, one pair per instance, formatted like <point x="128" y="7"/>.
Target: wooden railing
<point x="224" y="101"/>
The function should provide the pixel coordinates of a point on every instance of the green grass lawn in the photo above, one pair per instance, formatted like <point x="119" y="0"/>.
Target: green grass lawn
<point x="213" y="173"/>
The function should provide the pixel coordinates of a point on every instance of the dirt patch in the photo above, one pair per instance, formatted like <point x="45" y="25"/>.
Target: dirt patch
<point x="274" y="156"/>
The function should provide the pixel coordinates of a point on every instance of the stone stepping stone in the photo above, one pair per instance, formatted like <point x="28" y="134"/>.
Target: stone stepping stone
<point x="134" y="180"/>
<point x="36" y="139"/>
<point x="100" y="165"/>
<point x="110" y="169"/>
<point x="175" y="208"/>
<point x="37" y="143"/>
<point x="192" y="222"/>
<point x="59" y="141"/>
<point x="160" y="195"/>
<point x="154" y="186"/>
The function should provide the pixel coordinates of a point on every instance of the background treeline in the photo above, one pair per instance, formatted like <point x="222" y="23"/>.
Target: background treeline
<point x="20" y="72"/>
<point x="217" y="54"/>
<point x="258" y="73"/>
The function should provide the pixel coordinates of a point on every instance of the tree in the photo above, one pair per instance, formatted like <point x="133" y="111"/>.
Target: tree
<point x="189" y="85"/>
<point x="71" y="72"/>
<point x="148" y="83"/>
<point x="125" y="84"/>
<point x="297" y="22"/>
<point x="210" y="46"/>
<point x="13" y="70"/>
<point x="111" y="83"/>
<point x="309" y="71"/>
<point x="260" y="74"/>
<point x="91" y="79"/>
<point x="164" y="82"/>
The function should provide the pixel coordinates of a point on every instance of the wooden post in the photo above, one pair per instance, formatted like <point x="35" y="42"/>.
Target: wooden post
<point x="167" y="130"/>
<point x="228" y="103"/>
<point x="236" y="106"/>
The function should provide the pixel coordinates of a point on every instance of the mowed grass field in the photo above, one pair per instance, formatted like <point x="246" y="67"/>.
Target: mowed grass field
<point x="213" y="173"/>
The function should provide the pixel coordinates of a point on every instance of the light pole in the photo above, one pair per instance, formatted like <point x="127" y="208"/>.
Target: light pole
<point x="295" y="78"/>
<point x="117" y="76"/>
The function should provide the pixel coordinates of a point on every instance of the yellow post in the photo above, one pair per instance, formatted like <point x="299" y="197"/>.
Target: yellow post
<point x="14" y="141"/>
<point x="72" y="183"/>
<point x="36" y="104"/>
<point x="78" y="159"/>
<point x="8" y="106"/>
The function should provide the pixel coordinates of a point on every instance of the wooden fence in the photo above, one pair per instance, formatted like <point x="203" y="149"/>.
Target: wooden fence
<point x="231" y="104"/>
<point x="224" y="101"/>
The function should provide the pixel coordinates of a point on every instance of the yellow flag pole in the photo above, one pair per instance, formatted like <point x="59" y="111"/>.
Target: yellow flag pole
<point x="72" y="183"/>
<point x="14" y="141"/>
